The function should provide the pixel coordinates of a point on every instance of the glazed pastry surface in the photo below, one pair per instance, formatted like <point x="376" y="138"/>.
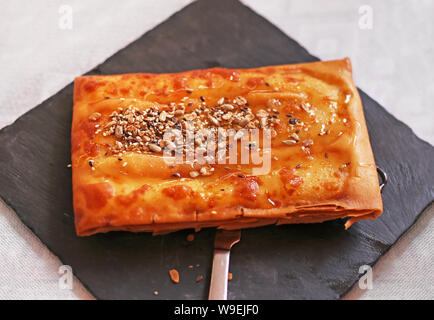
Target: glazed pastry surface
<point x="321" y="165"/>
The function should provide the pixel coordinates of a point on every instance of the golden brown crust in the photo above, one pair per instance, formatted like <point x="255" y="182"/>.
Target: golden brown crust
<point x="329" y="173"/>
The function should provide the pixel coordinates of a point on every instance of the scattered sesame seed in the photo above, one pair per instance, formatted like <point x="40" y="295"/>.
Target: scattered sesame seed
<point x="295" y="137"/>
<point x="154" y="148"/>
<point x="293" y="121"/>
<point x="289" y="142"/>
<point x="194" y="174"/>
<point x="95" y="116"/>
<point x="307" y="143"/>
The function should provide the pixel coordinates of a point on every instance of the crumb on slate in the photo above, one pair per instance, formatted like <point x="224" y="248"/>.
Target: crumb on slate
<point x="174" y="275"/>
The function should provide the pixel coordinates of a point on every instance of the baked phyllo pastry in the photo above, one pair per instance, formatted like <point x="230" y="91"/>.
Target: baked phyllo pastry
<point x="226" y="148"/>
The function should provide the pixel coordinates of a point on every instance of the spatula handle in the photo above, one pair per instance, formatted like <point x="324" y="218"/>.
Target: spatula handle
<point x="219" y="277"/>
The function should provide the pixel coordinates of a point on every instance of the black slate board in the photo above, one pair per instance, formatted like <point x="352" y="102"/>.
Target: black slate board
<point x="287" y="262"/>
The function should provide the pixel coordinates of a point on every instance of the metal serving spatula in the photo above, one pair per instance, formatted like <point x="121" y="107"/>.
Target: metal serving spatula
<point x="224" y="240"/>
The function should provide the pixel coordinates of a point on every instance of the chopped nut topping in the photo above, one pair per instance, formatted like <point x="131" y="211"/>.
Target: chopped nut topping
<point x="214" y="121"/>
<point x="261" y="113"/>
<point x="119" y="132"/>
<point x="143" y="130"/>
<point x="228" y="107"/>
<point x="240" y="101"/>
<point x="163" y="116"/>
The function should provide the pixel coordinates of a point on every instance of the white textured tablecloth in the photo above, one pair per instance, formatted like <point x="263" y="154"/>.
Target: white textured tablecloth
<point x="392" y="61"/>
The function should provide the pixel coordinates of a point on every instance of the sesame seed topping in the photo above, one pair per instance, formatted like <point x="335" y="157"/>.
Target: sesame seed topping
<point x="142" y="130"/>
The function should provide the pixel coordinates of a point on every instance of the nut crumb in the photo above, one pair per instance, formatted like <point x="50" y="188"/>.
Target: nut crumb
<point x="190" y="237"/>
<point x="229" y="276"/>
<point x="174" y="275"/>
<point x="155" y="293"/>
